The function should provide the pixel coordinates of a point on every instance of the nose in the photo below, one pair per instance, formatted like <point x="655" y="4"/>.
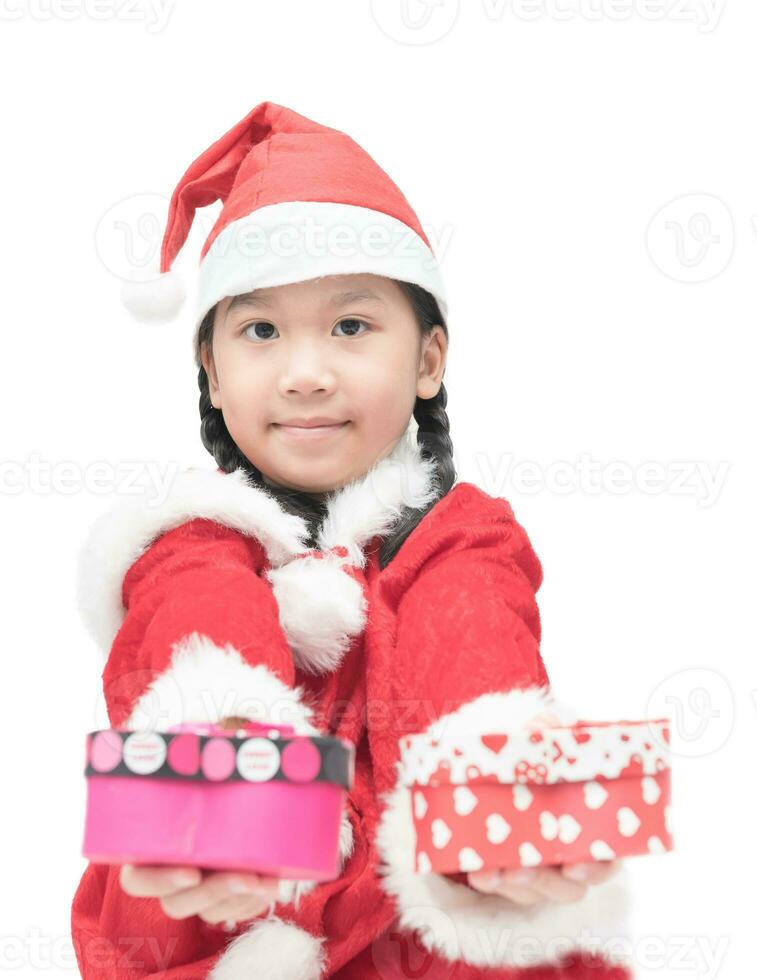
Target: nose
<point x="306" y="371"/>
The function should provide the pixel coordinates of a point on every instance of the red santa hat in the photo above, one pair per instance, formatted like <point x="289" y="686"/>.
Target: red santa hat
<point x="300" y="201"/>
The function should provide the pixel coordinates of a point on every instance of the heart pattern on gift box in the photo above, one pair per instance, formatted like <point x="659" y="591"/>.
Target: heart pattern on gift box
<point x="497" y="828"/>
<point x="464" y="800"/>
<point x="601" y="851"/>
<point x="529" y="856"/>
<point x="628" y="822"/>
<point x="441" y="835"/>
<point x="469" y="860"/>
<point x="522" y="797"/>
<point x="564" y="827"/>
<point x="507" y="802"/>
<point x="650" y="789"/>
<point x="594" y="794"/>
<point x="420" y="805"/>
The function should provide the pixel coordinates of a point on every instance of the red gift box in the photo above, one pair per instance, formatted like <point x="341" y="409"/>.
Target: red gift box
<point x="591" y="791"/>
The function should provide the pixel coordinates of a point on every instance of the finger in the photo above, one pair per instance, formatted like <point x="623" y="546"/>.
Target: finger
<point x="237" y="909"/>
<point x="544" y="720"/>
<point x="155" y="881"/>
<point x="505" y="885"/>
<point x="593" y="873"/>
<point x="552" y="884"/>
<point x="215" y="888"/>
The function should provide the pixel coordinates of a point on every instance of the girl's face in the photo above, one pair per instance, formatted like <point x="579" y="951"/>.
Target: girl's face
<point x="344" y="348"/>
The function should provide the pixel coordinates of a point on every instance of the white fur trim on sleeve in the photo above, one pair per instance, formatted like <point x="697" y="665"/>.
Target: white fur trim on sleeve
<point x="118" y="537"/>
<point x="460" y="923"/>
<point x="274" y="950"/>
<point x="206" y="683"/>
<point x="321" y="605"/>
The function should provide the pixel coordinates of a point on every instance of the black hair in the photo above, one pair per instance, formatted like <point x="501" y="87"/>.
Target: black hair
<point x="430" y="414"/>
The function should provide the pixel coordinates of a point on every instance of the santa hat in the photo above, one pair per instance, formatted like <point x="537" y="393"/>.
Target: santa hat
<point x="300" y="201"/>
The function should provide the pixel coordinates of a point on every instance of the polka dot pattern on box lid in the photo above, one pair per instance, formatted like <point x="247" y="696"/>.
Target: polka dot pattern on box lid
<point x="198" y="755"/>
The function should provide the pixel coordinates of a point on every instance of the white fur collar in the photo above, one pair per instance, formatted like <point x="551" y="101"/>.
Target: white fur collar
<point x="319" y="625"/>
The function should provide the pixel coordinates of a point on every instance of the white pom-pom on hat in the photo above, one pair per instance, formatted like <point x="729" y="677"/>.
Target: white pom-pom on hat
<point x="154" y="300"/>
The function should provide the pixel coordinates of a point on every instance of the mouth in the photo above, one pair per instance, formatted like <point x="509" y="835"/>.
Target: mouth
<point x="312" y="432"/>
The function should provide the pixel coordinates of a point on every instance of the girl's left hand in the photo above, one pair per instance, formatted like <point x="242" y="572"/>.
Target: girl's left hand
<point x="566" y="883"/>
<point x="215" y="896"/>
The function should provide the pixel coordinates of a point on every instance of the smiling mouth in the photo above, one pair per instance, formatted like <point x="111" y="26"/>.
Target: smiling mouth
<point x="310" y="432"/>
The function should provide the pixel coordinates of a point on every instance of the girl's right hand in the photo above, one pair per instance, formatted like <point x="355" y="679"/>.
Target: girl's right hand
<point x="215" y="896"/>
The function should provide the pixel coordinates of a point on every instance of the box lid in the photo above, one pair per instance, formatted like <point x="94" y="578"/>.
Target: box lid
<point x="566" y="753"/>
<point x="255" y="752"/>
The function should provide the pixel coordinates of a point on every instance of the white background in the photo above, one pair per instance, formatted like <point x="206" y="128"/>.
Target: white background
<point x="591" y="320"/>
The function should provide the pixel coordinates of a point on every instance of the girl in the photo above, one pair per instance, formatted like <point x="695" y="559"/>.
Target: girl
<point x="329" y="573"/>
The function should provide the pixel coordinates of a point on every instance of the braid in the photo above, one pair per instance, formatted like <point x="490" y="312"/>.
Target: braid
<point x="433" y="436"/>
<point x="435" y="443"/>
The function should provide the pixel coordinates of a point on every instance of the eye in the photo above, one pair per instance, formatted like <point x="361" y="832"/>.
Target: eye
<point x="254" y="326"/>
<point x="350" y="322"/>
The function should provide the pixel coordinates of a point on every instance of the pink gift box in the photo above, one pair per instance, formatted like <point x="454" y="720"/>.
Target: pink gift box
<point x="592" y="791"/>
<point x="259" y="798"/>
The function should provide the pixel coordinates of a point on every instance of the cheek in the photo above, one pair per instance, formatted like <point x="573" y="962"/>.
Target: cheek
<point x="244" y="390"/>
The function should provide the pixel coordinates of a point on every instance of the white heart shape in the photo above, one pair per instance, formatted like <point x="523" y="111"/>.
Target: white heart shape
<point x="650" y="790"/>
<point x="469" y="860"/>
<point x="656" y="846"/>
<point x="601" y="851"/>
<point x="497" y="828"/>
<point x="522" y="797"/>
<point x="569" y="828"/>
<point x="548" y="825"/>
<point x="529" y="856"/>
<point x="424" y="863"/>
<point x="440" y="833"/>
<point x="463" y="800"/>
<point x="668" y="819"/>
<point x="628" y="822"/>
<point x="594" y="794"/>
<point x="421" y="805"/>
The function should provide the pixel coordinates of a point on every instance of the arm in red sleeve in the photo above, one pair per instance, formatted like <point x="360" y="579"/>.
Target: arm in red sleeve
<point x="467" y="649"/>
<point x="191" y="630"/>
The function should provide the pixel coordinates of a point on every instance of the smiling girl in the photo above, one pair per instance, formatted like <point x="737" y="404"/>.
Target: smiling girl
<point x="330" y="572"/>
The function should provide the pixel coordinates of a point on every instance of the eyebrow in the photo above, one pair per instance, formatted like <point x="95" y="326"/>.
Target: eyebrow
<point x="338" y="299"/>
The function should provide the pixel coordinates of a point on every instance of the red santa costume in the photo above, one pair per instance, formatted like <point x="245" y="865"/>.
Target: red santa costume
<point x="212" y="605"/>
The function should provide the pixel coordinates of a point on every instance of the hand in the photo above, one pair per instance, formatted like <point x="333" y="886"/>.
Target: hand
<point x="565" y="883"/>
<point x="526" y="886"/>
<point x="215" y="896"/>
